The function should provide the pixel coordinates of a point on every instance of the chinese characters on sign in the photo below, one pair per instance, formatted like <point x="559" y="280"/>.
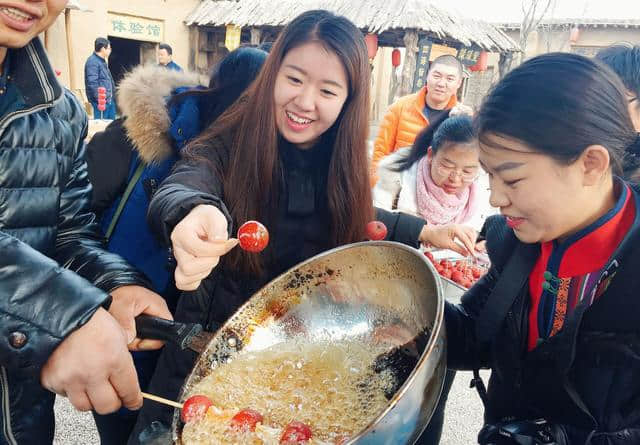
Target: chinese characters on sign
<point x="136" y="28"/>
<point x="422" y="63"/>
<point x="468" y="56"/>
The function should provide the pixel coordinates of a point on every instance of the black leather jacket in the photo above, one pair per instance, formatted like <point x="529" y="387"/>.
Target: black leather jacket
<point x="47" y="232"/>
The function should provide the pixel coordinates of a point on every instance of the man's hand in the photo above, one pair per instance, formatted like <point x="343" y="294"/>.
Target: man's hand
<point x="93" y="368"/>
<point x="131" y="301"/>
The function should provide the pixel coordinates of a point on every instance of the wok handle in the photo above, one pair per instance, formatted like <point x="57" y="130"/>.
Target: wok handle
<point x="156" y="328"/>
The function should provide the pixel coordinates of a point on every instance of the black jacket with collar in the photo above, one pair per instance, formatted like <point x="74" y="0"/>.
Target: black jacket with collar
<point x="586" y="377"/>
<point x="54" y="273"/>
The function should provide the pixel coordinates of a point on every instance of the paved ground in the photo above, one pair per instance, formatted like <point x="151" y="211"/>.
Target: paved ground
<point x="463" y="418"/>
<point x="73" y="427"/>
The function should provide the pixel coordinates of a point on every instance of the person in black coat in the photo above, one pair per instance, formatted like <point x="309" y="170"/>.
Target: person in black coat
<point x="291" y="153"/>
<point x="556" y="317"/>
<point x="57" y="281"/>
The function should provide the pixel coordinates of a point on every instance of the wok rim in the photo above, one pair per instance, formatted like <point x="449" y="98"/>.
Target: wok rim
<point x="431" y="344"/>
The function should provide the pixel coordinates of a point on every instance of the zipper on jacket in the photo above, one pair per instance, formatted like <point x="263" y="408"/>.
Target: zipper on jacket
<point x="7" y="432"/>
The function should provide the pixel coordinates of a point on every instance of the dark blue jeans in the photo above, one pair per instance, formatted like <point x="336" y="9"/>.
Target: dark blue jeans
<point x="109" y="113"/>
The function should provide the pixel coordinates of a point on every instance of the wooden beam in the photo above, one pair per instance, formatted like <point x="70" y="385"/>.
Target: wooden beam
<point x="197" y="47"/>
<point x="193" y="47"/>
<point x="256" y="34"/>
<point x="72" y="65"/>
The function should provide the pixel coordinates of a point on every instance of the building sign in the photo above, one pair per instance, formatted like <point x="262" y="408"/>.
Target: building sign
<point x="136" y="28"/>
<point x="232" y="38"/>
<point x="468" y="56"/>
<point x="422" y="63"/>
<point x="442" y="50"/>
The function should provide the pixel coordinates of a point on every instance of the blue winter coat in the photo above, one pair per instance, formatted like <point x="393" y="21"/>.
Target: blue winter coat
<point x="151" y="133"/>
<point x="97" y="74"/>
<point x="172" y="66"/>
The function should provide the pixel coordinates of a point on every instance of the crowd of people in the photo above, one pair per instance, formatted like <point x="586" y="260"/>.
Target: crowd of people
<point x="140" y="221"/>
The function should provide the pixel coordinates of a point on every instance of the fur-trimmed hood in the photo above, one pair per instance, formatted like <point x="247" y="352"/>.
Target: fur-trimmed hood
<point x="142" y="96"/>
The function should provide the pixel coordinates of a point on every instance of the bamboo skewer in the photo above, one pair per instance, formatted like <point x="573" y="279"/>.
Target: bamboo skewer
<point x="162" y="400"/>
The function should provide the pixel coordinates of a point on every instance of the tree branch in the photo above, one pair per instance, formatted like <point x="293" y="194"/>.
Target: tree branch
<point x="529" y="19"/>
<point x="546" y="9"/>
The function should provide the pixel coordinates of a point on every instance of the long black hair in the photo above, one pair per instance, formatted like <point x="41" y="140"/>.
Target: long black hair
<point x="560" y="104"/>
<point x="228" y="80"/>
<point x="251" y="179"/>
<point x="440" y="133"/>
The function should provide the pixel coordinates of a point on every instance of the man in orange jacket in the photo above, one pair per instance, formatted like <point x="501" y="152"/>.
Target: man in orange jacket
<point x="411" y="113"/>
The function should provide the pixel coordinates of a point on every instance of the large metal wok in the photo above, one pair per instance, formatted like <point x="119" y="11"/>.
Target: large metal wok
<point x="372" y="285"/>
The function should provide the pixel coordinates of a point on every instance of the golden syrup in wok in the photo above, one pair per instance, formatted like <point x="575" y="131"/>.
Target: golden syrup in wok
<point x="332" y="387"/>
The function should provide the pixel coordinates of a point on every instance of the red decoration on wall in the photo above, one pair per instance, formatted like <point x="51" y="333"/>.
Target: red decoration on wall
<point x="574" y="35"/>
<point x="395" y="57"/>
<point x="481" y="64"/>
<point x="372" y="44"/>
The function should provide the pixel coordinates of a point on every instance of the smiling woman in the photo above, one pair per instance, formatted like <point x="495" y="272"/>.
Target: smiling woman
<point x="310" y="90"/>
<point x="309" y="104"/>
<point x="556" y="317"/>
<point x="549" y="178"/>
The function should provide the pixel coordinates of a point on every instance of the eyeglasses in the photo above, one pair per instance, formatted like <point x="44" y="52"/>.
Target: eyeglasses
<point x="465" y="176"/>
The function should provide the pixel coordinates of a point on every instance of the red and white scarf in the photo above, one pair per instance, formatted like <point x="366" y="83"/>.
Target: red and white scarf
<point x="438" y="207"/>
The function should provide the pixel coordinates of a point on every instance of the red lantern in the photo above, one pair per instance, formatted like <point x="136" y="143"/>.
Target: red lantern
<point x="102" y="98"/>
<point x="395" y="57"/>
<point x="372" y="44"/>
<point x="574" y="35"/>
<point x="481" y="64"/>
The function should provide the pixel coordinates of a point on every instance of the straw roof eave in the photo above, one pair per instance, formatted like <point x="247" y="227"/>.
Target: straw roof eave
<point x="578" y="22"/>
<point x="375" y="16"/>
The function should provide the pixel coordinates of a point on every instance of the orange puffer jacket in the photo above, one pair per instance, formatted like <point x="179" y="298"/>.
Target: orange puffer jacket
<point x="402" y="123"/>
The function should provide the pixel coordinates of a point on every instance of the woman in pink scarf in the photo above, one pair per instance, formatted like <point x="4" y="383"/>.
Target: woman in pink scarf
<point x="437" y="177"/>
<point x="434" y="179"/>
